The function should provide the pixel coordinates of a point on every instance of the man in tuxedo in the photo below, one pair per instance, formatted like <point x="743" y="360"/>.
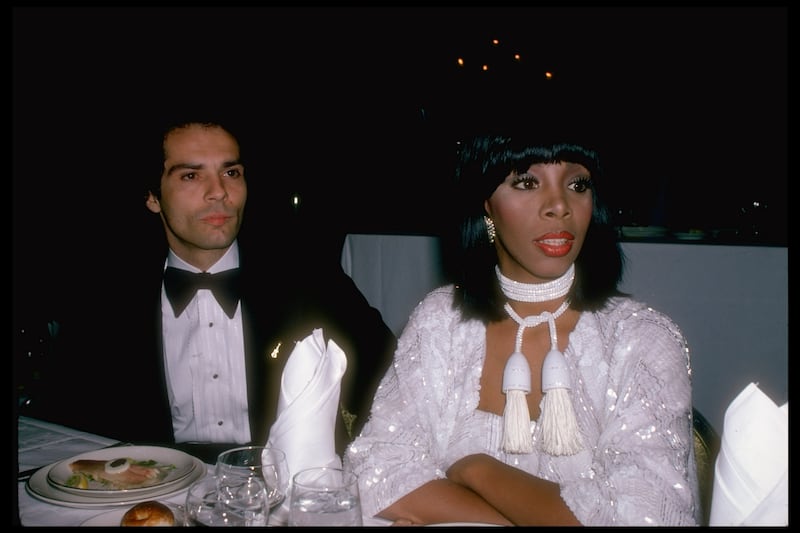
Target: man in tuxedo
<point x="199" y="368"/>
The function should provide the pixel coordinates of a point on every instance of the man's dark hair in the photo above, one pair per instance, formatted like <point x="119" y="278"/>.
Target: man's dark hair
<point x="156" y="156"/>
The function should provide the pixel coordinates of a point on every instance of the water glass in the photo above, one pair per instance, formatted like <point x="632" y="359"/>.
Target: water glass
<point x="325" y="497"/>
<point x="264" y="462"/>
<point x="236" y="505"/>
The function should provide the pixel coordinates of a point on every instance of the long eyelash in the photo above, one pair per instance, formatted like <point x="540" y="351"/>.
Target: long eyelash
<point x="519" y="178"/>
<point x="586" y="182"/>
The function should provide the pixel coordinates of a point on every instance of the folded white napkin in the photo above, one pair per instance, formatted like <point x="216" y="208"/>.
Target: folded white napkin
<point x="751" y="483"/>
<point x="308" y="405"/>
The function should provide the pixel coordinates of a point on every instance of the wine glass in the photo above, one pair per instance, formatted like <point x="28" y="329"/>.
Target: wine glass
<point x="243" y="502"/>
<point x="325" y="496"/>
<point x="264" y="462"/>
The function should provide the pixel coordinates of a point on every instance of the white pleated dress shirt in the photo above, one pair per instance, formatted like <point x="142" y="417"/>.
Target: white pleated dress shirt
<point x="205" y="364"/>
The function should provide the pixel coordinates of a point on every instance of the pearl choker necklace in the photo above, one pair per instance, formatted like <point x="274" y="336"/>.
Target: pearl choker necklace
<point x="559" y="428"/>
<point x="536" y="292"/>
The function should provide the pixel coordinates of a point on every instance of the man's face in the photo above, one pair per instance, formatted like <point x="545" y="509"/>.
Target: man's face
<point x="203" y="193"/>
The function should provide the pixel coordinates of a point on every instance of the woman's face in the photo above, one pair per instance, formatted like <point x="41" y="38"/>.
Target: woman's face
<point x="541" y="219"/>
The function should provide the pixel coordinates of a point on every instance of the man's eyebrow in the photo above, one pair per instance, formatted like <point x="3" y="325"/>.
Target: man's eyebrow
<point x="200" y="166"/>
<point x="184" y="166"/>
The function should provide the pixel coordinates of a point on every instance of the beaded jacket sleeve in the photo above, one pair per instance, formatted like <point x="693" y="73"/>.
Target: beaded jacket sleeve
<point x="631" y="388"/>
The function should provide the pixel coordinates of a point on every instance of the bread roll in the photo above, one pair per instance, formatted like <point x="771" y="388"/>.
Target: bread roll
<point x="150" y="513"/>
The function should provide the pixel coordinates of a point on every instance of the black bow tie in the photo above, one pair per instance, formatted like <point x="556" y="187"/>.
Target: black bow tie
<point x="181" y="286"/>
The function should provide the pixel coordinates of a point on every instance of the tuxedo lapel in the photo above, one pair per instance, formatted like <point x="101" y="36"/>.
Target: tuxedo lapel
<point x="157" y="353"/>
<point x="263" y="310"/>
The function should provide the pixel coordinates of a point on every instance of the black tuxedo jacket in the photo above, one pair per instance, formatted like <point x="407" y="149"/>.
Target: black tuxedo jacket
<point x="106" y="371"/>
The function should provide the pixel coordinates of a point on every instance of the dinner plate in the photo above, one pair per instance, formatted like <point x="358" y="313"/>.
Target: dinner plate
<point x="180" y="464"/>
<point x="113" y="518"/>
<point x="38" y="487"/>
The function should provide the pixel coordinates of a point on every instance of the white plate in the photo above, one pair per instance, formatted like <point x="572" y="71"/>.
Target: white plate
<point x="113" y="518"/>
<point x="38" y="487"/>
<point x="183" y="463"/>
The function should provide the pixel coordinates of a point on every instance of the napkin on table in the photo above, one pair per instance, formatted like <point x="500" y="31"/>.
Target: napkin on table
<point x="308" y="405"/>
<point x="751" y="483"/>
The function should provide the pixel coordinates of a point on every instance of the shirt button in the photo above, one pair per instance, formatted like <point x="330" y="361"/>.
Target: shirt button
<point x="211" y="324"/>
<point x="215" y="376"/>
<point x="219" y="423"/>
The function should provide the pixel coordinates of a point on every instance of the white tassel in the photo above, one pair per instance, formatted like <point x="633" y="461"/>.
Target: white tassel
<point x="557" y="425"/>
<point x="516" y="417"/>
<point x="560" y="433"/>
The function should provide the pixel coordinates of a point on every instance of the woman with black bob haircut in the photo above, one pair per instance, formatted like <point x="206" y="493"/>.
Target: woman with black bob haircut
<point x="530" y="390"/>
<point x="483" y="163"/>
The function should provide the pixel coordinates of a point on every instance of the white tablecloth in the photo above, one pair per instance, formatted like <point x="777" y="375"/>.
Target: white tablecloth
<point x="394" y="272"/>
<point x="42" y="443"/>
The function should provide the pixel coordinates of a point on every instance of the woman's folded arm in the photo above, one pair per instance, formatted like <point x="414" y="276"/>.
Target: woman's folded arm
<point x="441" y="501"/>
<point x="525" y="499"/>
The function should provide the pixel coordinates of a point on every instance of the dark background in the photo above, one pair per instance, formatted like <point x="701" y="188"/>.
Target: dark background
<point x="358" y="111"/>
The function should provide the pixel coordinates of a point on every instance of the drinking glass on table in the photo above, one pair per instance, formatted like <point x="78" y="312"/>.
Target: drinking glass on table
<point x="264" y="462"/>
<point x="244" y="503"/>
<point x="325" y="496"/>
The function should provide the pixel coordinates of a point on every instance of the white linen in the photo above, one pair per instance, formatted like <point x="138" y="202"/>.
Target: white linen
<point x="308" y="404"/>
<point x="751" y="475"/>
<point x="41" y="443"/>
<point x="394" y="272"/>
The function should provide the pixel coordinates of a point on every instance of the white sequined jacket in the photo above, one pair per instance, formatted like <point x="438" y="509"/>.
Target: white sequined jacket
<point x="631" y="388"/>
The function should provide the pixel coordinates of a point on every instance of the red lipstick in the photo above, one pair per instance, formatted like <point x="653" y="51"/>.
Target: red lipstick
<point x="555" y="244"/>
